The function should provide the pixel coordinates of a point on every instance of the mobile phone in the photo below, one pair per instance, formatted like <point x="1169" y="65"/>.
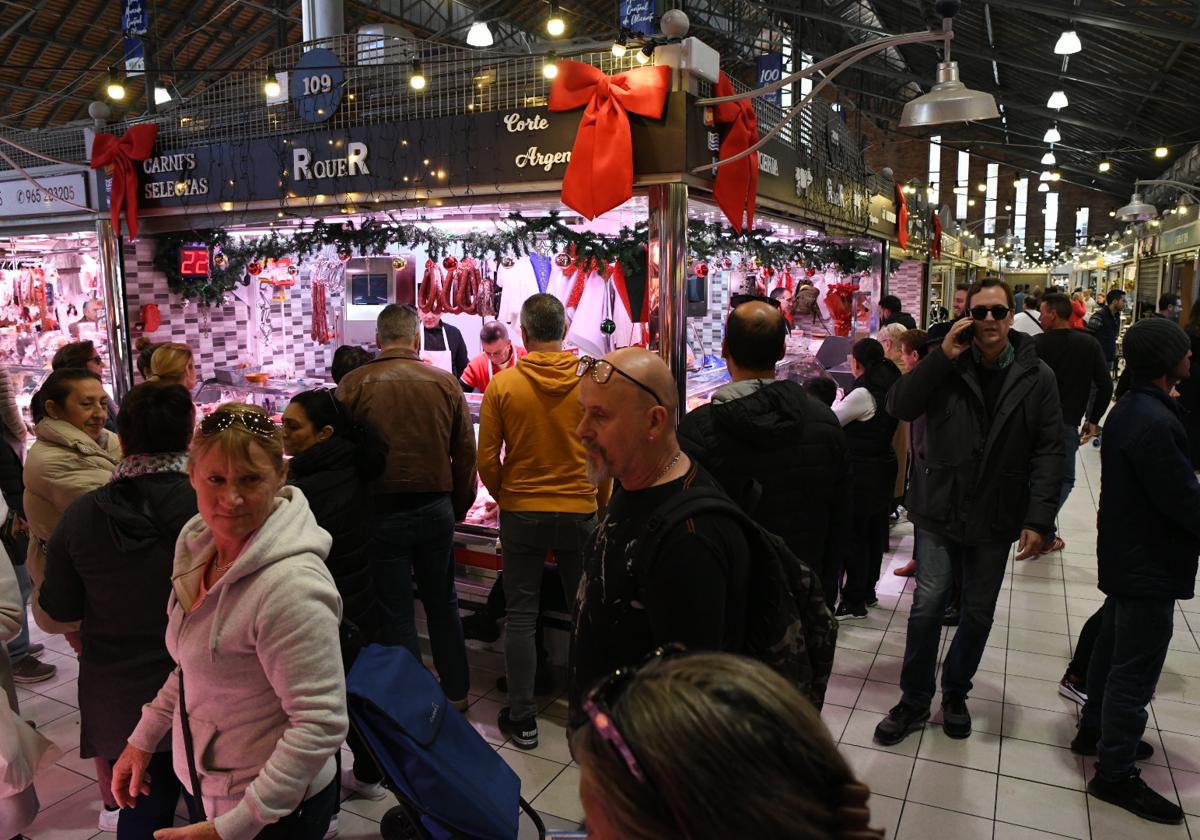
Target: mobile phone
<point x="967" y="335"/>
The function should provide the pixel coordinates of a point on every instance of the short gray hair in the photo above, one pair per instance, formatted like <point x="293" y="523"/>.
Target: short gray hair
<point x="397" y="324"/>
<point x="543" y="318"/>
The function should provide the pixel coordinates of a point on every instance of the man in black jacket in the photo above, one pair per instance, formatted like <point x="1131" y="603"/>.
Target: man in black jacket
<point x="1079" y="366"/>
<point x="990" y="472"/>
<point x="891" y="312"/>
<point x="769" y="443"/>
<point x="1147" y="548"/>
<point x="1105" y="325"/>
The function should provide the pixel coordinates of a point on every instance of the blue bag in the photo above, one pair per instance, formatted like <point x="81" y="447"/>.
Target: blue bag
<point x="428" y="752"/>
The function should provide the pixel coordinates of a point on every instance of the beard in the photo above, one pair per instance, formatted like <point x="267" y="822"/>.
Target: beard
<point x="597" y="468"/>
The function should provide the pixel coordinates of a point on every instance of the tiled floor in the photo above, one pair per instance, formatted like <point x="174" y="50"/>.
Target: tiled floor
<point x="1013" y="779"/>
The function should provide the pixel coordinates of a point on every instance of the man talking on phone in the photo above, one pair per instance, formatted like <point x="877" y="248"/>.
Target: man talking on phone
<point x="989" y="474"/>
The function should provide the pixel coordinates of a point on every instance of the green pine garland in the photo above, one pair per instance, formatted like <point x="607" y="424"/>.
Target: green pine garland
<point x="521" y="237"/>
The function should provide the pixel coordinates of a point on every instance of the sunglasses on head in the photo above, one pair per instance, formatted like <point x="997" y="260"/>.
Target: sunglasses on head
<point x="255" y="423"/>
<point x="600" y="700"/>
<point x="980" y="313"/>
<point x="602" y="371"/>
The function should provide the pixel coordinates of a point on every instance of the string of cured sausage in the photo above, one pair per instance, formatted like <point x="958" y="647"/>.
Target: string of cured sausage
<point x="430" y="297"/>
<point x="320" y="316"/>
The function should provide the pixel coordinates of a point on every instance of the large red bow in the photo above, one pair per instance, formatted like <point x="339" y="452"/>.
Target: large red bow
<point x="736" y="187"/>
<point x="136" y="144"/>
<point x="901" y="217"/>
<point x="600" y="174"/>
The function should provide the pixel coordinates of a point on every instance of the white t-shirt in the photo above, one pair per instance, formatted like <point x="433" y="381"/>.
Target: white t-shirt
<point x="1026" y="322"/>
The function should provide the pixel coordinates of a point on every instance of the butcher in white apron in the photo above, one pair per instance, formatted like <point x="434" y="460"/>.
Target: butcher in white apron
<point x="443" y="359"/>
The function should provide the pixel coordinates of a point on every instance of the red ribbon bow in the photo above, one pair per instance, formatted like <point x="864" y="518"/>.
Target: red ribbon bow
<point x="136" y="144"/>
<point x="600" y="174"/>
<point x="901" y="217"/>
<point x="736" y="185"/>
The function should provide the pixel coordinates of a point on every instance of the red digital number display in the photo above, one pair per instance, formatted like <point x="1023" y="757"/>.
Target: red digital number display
<point x="193" y="262"/>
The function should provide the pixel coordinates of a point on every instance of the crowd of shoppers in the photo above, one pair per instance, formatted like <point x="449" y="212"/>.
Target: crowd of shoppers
<point x="257" y="580"/>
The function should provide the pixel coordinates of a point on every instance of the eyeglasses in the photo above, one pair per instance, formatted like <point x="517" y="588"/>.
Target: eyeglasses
<point x="255" y="423"/>
<point x="602" y="371"/>
<point x="600" y="700"/>
<point x="980" y="313"/>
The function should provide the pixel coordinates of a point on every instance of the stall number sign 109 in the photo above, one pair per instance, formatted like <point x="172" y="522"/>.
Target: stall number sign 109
<point x="317" y="84"/>
<point x="193" y="262"/>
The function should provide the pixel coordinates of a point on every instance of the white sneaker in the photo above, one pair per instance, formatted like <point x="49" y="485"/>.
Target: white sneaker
<point x="363" y="790"/>
<point x="332" y="830"/>
<point x="1067" y="689"/>
<point x="108" y="819"/>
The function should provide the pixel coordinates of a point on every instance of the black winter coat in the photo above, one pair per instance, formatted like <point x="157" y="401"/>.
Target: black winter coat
<point x="327" y="474"/>
<point x="1105" y="326"/>
<point x="109" y="565"/>
<point x="788" y="445"/>
<point x="1189" y="398"/>
<point x="979" y="480"/>
<point x="1149" y="520"/>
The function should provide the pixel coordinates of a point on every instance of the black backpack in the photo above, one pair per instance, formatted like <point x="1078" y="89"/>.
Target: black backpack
<point x="788" y="625"/>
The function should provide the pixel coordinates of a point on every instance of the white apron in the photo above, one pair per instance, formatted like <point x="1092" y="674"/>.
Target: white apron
<point x="443" y="359"/>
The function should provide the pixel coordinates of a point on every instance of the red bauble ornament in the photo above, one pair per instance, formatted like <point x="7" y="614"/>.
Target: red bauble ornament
<point x="450" y="263"/>
<point x="701" y="269"/>
<point x="562" y="260"/>
<point x="254" y="269"/>
<point x="727" y="263"/>
<point x="769" y="272"/>
<point x="810" y="272"/>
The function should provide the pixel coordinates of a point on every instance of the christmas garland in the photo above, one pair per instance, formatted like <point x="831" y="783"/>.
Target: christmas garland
<point x="233" y="259"/>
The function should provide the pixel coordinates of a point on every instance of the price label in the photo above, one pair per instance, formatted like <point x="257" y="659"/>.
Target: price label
<point x="316" y="85"/>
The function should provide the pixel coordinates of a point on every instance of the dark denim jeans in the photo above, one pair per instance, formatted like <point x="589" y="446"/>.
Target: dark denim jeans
<point x="1086" y="645"/>
<point x="1126" y="663"/>
<point x="18" y="648"/>
<point x="525" y="540"/>
<point x="420" y="543"/>
<point x="982" y="574"/>
<point x="1071" y="442"/>
<point x="873" y="484"/>
<point x="156" y="809"/>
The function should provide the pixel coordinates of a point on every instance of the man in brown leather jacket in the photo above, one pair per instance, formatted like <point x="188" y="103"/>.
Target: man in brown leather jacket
<point x="429" y="483"/>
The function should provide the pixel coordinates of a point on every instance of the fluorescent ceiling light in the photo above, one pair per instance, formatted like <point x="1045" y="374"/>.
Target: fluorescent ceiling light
<point x="480" y="35"/>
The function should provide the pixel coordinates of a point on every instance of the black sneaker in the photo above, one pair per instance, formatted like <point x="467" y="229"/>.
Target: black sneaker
<point x="850" y="612"/>
<point x="523" y="733"/>
<point x="951" y="617"/>
<point x="901" y="720"/>
<point x="481" y="627"/>
<point x="1086" y="741"/>
<point x="873" y="600"/>
<point x="1136" y="797"/>
<point x="956" y="719"/>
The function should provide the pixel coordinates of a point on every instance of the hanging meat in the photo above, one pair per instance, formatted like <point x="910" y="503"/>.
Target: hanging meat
<point x="466" y="289"/>
<point x="431" y="297"/>
<point x="320" y="316"/>
<point x="485" y="293"/>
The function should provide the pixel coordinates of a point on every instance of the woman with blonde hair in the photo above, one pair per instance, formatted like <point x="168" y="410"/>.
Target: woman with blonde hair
<point x="173" y="364"/>
<point x="708" y="747"/>
<point x="256" y="706"/>
<point x="889" y="336"/>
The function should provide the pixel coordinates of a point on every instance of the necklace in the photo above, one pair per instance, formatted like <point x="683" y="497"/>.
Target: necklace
<point x="219" y="569"/>
<point x="670" y="465"/>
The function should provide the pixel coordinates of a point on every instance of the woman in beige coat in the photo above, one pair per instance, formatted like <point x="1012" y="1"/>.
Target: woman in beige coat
<point x="73" y="454"/>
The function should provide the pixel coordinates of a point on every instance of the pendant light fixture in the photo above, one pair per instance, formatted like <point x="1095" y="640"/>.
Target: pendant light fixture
<point x="416" y="79"/>
<point x="1045" y="176"/>
<point x="550" y="67"/>
<point x="480" y="35"/>
<point x="1137" y="210"/>
<point x="1052" y="135"/>
<point x="644" y="55"/>
<point x="1048" y="159"/>
<point x="949" y="101"/>
<point x="1068" y="43"/>
<point x="1043" y="188"/>
<point x="555" y="25"/>
<point x="1058" y="100"/>
<point x="618" y="48"/>
<point x="1161" y="152"/>
<point x="271" y="84"/>
<point x="1105" y="165"/>
<point x="113" y="88"/>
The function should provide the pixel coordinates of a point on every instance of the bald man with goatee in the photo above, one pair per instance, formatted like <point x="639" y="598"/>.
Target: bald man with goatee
<point x="693" y="590"/>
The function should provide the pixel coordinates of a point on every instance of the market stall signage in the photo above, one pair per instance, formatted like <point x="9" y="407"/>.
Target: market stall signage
<point x="638" y="15"/>
<point x="316" y="85"/>
<point x="23" y="198"/>
<point x="1179" y="238"/>
<point x="135" y="23"/>
<point x="770" y="70"/>
<point x="183" y="180"/>
<point x="354" y="162"/>
<point x="518" y="123"/>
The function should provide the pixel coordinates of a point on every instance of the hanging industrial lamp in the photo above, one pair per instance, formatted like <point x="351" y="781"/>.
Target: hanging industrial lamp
<point x="555" y="25"/>
<point x="1048" y="159"/>
<point x="1068" y="43"/>
<point x="1137" y="210"/>
<point x="1058" y="100"/>
<point x="949" y="101"/>
<point x="480" y="35"/>
<point x="1052" y="135"/>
